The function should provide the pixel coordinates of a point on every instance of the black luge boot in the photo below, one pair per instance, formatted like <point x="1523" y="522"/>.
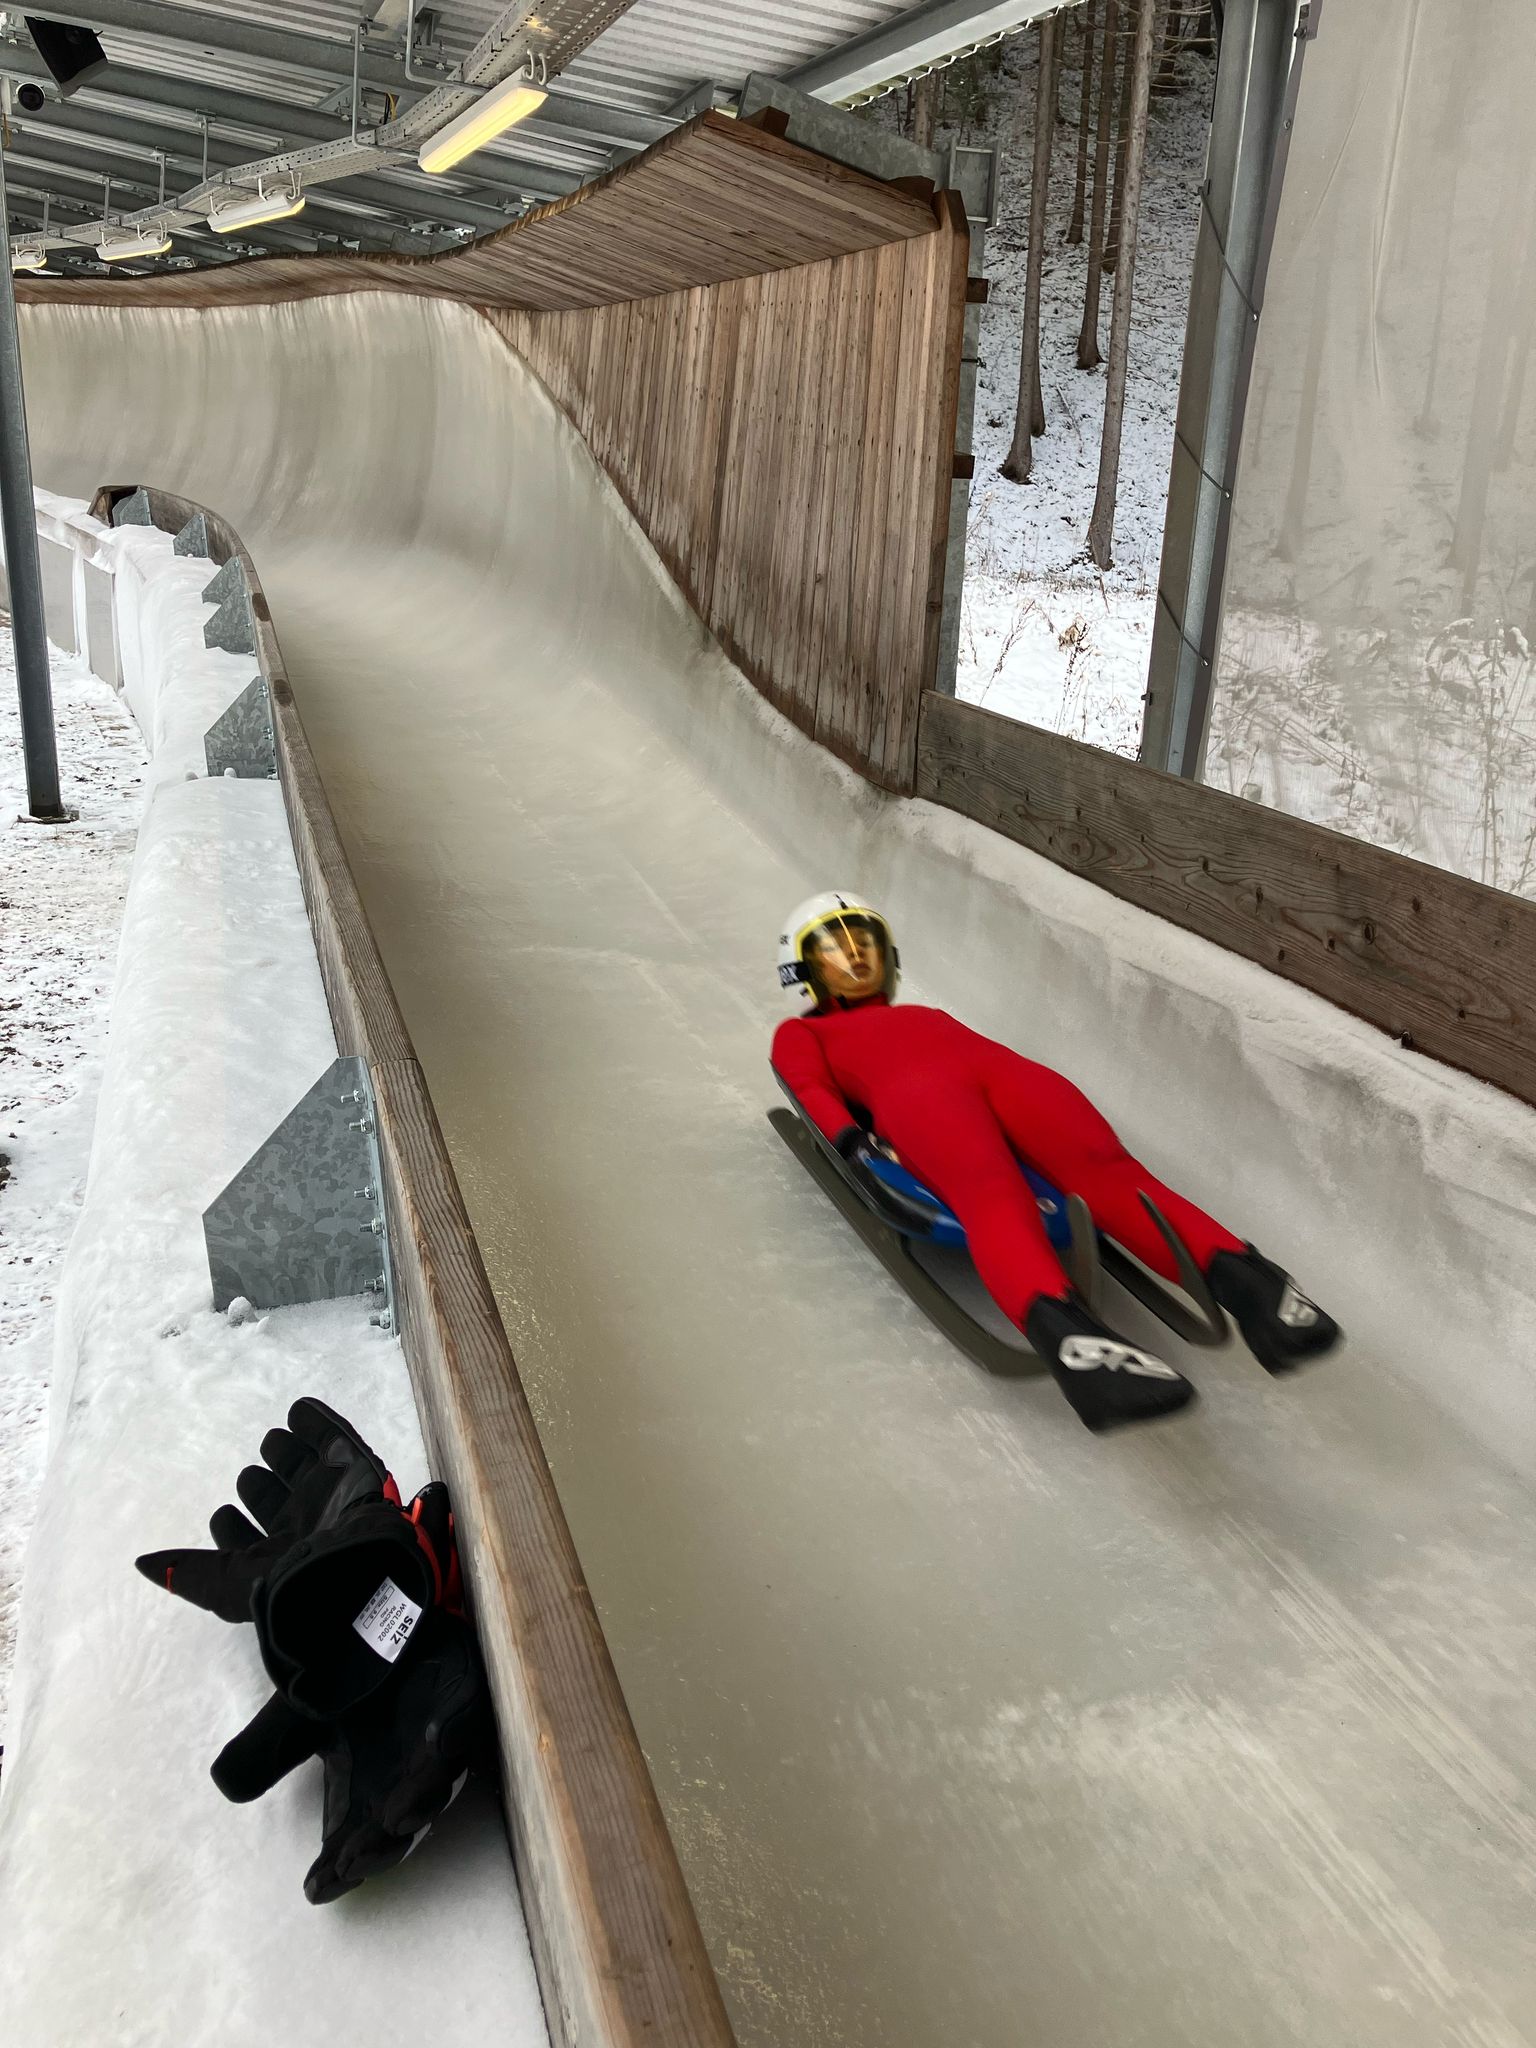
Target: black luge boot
<point x="1280" y="1326"/>
<point x="1107" y="1380"/>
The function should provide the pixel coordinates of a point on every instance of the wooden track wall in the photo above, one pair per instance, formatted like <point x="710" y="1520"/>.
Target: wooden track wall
<point x="786" y="441"/>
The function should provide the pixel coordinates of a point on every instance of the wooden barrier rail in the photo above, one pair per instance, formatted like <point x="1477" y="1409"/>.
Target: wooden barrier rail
<point x="619" y="1954"/>
<point x="1443" y="964"/>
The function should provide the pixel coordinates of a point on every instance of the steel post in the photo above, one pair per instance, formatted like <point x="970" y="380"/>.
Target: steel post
<point x="1256" y="83"/>
<point x="18" y="519"/>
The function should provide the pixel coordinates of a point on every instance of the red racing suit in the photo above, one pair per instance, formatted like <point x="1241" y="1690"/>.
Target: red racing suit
<point x="956" y="1107"/>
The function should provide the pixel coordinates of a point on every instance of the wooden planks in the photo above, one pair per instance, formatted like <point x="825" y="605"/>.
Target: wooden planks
<point x="1443" y="964"/>
<point x="620" y="1958"/>
<point x="786" y="441"/>
<point x="717" y="199"/>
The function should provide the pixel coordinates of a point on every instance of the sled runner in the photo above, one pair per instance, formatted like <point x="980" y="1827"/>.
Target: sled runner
<point x="900" y="1214"/>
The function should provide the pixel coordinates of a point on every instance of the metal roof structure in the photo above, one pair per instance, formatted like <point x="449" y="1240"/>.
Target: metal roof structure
<point x="199" y="104"/>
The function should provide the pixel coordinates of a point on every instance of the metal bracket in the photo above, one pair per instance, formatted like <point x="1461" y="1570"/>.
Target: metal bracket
<point x="133" y="510"/>
<point x="303" y="1219"/>
<point x="230" y="627"/>
<point x="193" y="537"/>
<point x="974" y="174"/>
<point x="241" y="742"/>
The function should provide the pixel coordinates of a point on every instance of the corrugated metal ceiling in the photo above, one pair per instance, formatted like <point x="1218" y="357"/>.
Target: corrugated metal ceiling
<point x="646" y="63"/>
<point x="662" y="47"/>
<point x="650" y="58"/>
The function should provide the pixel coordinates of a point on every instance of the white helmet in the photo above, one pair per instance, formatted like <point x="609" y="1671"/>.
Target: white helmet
<point x="838" y="911"/>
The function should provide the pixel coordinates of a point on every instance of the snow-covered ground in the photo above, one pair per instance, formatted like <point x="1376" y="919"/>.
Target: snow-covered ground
<point x="61" y="906"/>
<point x="1043" y="635"/>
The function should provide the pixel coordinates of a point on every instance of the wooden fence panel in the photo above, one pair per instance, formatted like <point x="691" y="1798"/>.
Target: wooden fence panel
<point x="1441" y="963"/>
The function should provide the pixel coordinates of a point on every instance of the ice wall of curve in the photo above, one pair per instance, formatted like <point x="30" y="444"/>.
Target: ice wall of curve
<point x="970" y="1727"/>
<point x="1376" y="669"/>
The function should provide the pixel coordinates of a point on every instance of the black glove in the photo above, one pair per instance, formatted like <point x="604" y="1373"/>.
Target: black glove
<point x="337" y="1663"/>
<point x="401" y="1760"/>
<point x="392" y="1764"/>
<point x="856" y="1146"/>
<point x="339" y="1609"/>
<point x="903" y="1212"/>
<point x="317" y="1471"/>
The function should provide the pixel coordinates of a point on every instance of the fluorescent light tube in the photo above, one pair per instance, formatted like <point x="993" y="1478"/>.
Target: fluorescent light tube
<point x="25" y="258"/>
<point x="502" y="108"/>
<point x="153" y="242"/>
<point x="248" y="213"/>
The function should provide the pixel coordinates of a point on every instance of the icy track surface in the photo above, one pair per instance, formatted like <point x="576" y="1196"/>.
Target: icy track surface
<point x="972" y="1728"/>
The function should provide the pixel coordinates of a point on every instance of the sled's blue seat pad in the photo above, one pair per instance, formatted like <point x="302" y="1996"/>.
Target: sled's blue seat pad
<point x="946" y="1227"/>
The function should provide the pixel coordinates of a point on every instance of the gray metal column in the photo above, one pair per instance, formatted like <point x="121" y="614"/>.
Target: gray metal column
<point x="1256" y="84"/>
<point x="34" y="688"/>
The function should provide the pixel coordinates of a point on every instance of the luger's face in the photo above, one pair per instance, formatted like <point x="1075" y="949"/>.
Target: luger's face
<point x="848" y="961"/>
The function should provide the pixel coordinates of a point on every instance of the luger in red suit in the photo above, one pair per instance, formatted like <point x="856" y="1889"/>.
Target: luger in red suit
<point x="956" y="1108"/>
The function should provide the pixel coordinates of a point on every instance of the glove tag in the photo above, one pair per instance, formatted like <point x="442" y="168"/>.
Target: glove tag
<point x="387" y="1621"/>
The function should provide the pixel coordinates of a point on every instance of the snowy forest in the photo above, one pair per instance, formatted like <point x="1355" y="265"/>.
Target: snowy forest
<point x="1096" y="209"/>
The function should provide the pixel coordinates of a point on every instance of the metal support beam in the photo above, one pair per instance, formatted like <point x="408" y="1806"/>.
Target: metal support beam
<point x="202" y="30"/>
<point x="83" y="187"/>
<point x="325" y="208"/>
<point x="918" y="40"/>
<point x="27" y="207"/>
<point x="1257" y="79"/>
<point x="156" y="96"/>
<point x="34" y="685"/>
<point x="332" y="62"/>
<point x="182" y="148"/>
<point x="567" y="113"/>
<point x="82" y="190"/>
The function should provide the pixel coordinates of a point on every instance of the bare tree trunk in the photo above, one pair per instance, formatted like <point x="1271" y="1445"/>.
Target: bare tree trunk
<point x="1524" y="317"/>
<point x="1488" y="398"/>
<point x="1088" y="356"/>
<point x="1165" y="82"/>
<point x="1030" y="416"/>
<point x="1102" y="526"/>
<point x="1426" y="424"/>
<point x="925" y="109"/>
<point x="1063" y="25"/>
<point x="1122" y="139"/>
<point x="1293" y="514"/>
<point x="1084" y="97"/>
